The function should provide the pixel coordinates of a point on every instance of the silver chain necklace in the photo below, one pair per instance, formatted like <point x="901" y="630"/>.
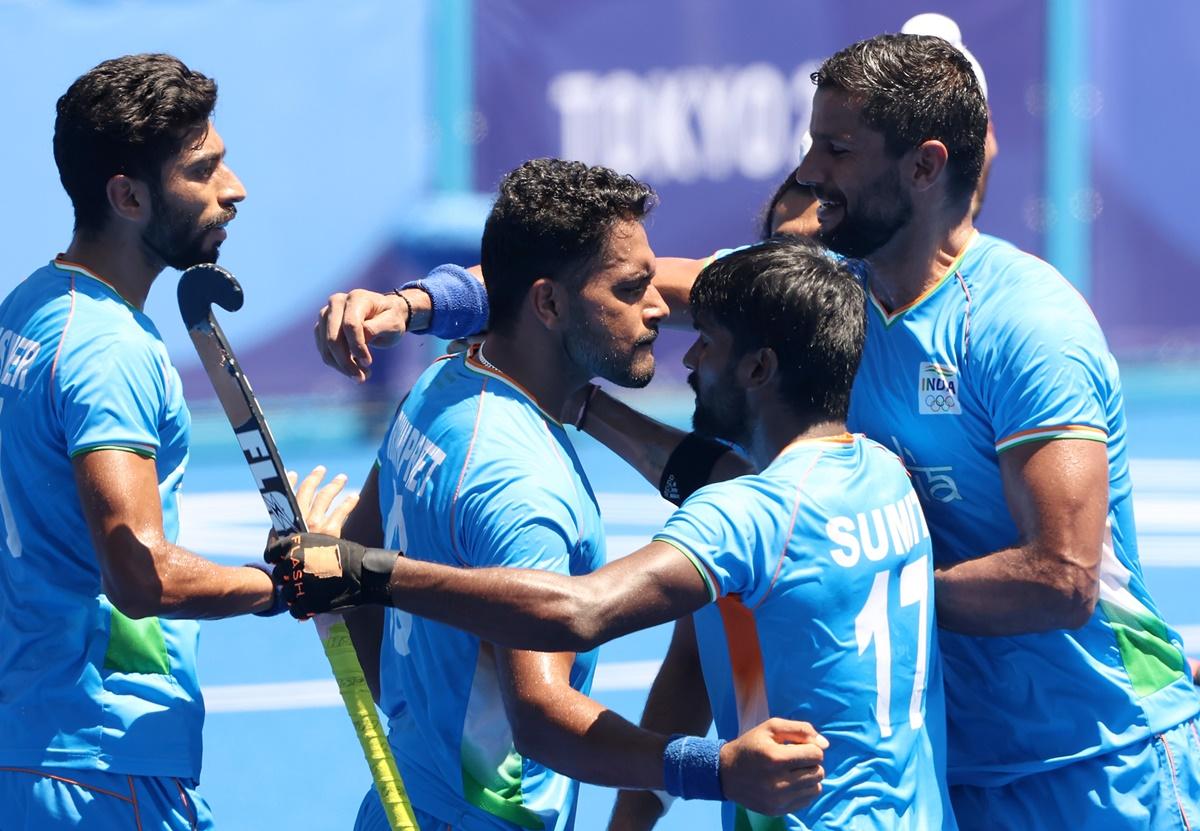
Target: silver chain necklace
<point x="483" y="360"/>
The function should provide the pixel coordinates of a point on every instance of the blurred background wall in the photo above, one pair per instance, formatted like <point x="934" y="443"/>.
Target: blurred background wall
<point x="369" y="134"/>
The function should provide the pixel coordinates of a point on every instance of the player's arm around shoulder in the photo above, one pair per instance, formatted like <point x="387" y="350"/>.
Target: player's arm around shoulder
<point x="450" y="302"/>
<point x="675" y="462"/>
<point x="143" y="573"/>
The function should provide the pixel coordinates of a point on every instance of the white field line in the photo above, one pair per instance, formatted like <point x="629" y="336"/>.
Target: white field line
<point x="612" y="676"/>
<point x="232" y="525"/>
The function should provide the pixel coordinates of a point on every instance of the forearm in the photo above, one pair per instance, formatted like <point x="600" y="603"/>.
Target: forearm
<point x="164" y="580"/>
<point x="519" y="608"/>
<point x="1015" y="591"/>
<point x="641" y="441"/>
<point x="647" y="444"/>
<point x="582" y="739"/>
<point x="674" y="277"/>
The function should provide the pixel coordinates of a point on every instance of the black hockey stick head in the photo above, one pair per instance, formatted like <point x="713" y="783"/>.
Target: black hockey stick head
<point x="203" y="285"/>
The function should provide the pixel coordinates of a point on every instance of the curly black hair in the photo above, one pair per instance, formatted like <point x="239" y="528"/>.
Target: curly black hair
<point x="790" y="295"/>
<point x="914" y="88"/>
<point x="552" y="218"/>
<point x="127" y="115"/>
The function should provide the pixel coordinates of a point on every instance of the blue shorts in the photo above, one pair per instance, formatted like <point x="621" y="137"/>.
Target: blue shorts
<point x="1150" y="786"/>
<point x="58" y="799"/>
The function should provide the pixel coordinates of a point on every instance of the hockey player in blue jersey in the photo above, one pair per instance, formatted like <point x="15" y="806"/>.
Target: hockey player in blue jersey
<point x="1068" y="701"/>
<point x="478" y="470"/>
<point x="810" y="580"/>
<point x="100" y="707"/>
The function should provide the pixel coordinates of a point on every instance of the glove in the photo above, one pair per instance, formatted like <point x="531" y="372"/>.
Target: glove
<point x="320" y="573"/>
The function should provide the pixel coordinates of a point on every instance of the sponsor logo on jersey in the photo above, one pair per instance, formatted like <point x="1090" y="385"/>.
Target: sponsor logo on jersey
<point x="937" y="390"/>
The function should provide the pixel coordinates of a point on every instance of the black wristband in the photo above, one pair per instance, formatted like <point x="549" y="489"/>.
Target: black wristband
<point x="377" y="566"/>
<point x="689" y="467"/>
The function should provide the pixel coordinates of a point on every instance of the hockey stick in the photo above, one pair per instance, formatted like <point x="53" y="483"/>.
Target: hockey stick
<point x="199" y="288"/>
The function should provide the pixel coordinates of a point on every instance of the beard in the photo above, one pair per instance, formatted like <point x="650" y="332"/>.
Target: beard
<point x="883" y="209"/>
<point x="722" y="412"/>
<point x="602" y="355"/>
<point x="177" y="237"/>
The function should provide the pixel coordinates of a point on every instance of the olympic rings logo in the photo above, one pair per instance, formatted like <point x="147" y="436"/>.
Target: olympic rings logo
<point x="941" y="403"/>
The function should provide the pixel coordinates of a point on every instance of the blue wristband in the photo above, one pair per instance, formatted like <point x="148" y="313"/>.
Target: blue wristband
<point x="459" y="302"/>
<point x="692" y="767"/>
<point x="279" y="604"/>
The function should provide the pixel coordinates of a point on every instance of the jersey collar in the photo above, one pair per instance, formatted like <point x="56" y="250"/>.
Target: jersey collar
<point x="891" y="317"/>
<point x="63" y="264"/>
<point x="473" y="363"/>
<point x="828" y="441"/>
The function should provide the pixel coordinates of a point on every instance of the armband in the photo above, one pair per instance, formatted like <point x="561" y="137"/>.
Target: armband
<point x="459" y="302"/>
<point x="689" y="467"/>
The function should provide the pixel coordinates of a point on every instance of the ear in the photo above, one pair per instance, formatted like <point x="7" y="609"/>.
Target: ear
<point x="929" y="161"/>
<point x="129" y="198"/>
<point x="757" y="369"/>
<point x="548" y="300"/>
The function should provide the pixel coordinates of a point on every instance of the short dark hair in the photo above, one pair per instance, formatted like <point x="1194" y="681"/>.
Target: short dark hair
<point x="791" y="183"/>
<point x="792" y="296"/>
<point x="127" y="115"/>
<point x="914" y="88"/>
<point x="552" y="219"/>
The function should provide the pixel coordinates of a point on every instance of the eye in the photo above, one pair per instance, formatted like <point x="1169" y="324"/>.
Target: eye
<point x="633" y="290"/>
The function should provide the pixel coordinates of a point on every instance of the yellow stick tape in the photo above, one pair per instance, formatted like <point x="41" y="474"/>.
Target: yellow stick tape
<point x="357" y="696"/>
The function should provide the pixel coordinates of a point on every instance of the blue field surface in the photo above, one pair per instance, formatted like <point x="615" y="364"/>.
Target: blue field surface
<point x="280" y="752"/>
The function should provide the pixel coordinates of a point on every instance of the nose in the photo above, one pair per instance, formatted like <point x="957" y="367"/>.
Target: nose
<point x="689" y="357"/>
<point x="232" y="190"/>
<point x="656" y="309"/>
<point x="808" y="172"/>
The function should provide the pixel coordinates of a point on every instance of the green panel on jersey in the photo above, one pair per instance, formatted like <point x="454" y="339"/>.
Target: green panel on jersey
<point x="507" y="802"/>
<point x="136" y="645"/>
<point x="750" y="821"/>
<point x="1151" y="660"/>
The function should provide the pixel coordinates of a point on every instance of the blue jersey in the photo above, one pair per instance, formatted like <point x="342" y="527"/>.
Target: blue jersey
<point x="1001" y="352"/>
<point x="822" y="573"/>
<point x="472" y="473"/>
<point x="81" y="685"/>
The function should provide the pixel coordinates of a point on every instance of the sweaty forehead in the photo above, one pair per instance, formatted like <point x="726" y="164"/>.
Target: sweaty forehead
<point x="627" y="247"/>
<point x="835" y="115"/>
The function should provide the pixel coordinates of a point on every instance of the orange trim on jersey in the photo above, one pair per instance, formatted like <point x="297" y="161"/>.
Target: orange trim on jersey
<point x="840" y="438"/>
<point x="890" y="317"/>
<point x="63" y="337"/>
<point x="67" y="265"/>
<point x="1187" y="825"/>
<point x="137" y="811"/>
<point x="745" y="662"/>
<point x="75" y="782"/>
<point x="473" y="362"/>
<point x="195" y="820"/>
<point x="1062" y="431"/>
<point x="567" y="470"/>
<point x="463" y="475"/>
<point x="791" y="526"/>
